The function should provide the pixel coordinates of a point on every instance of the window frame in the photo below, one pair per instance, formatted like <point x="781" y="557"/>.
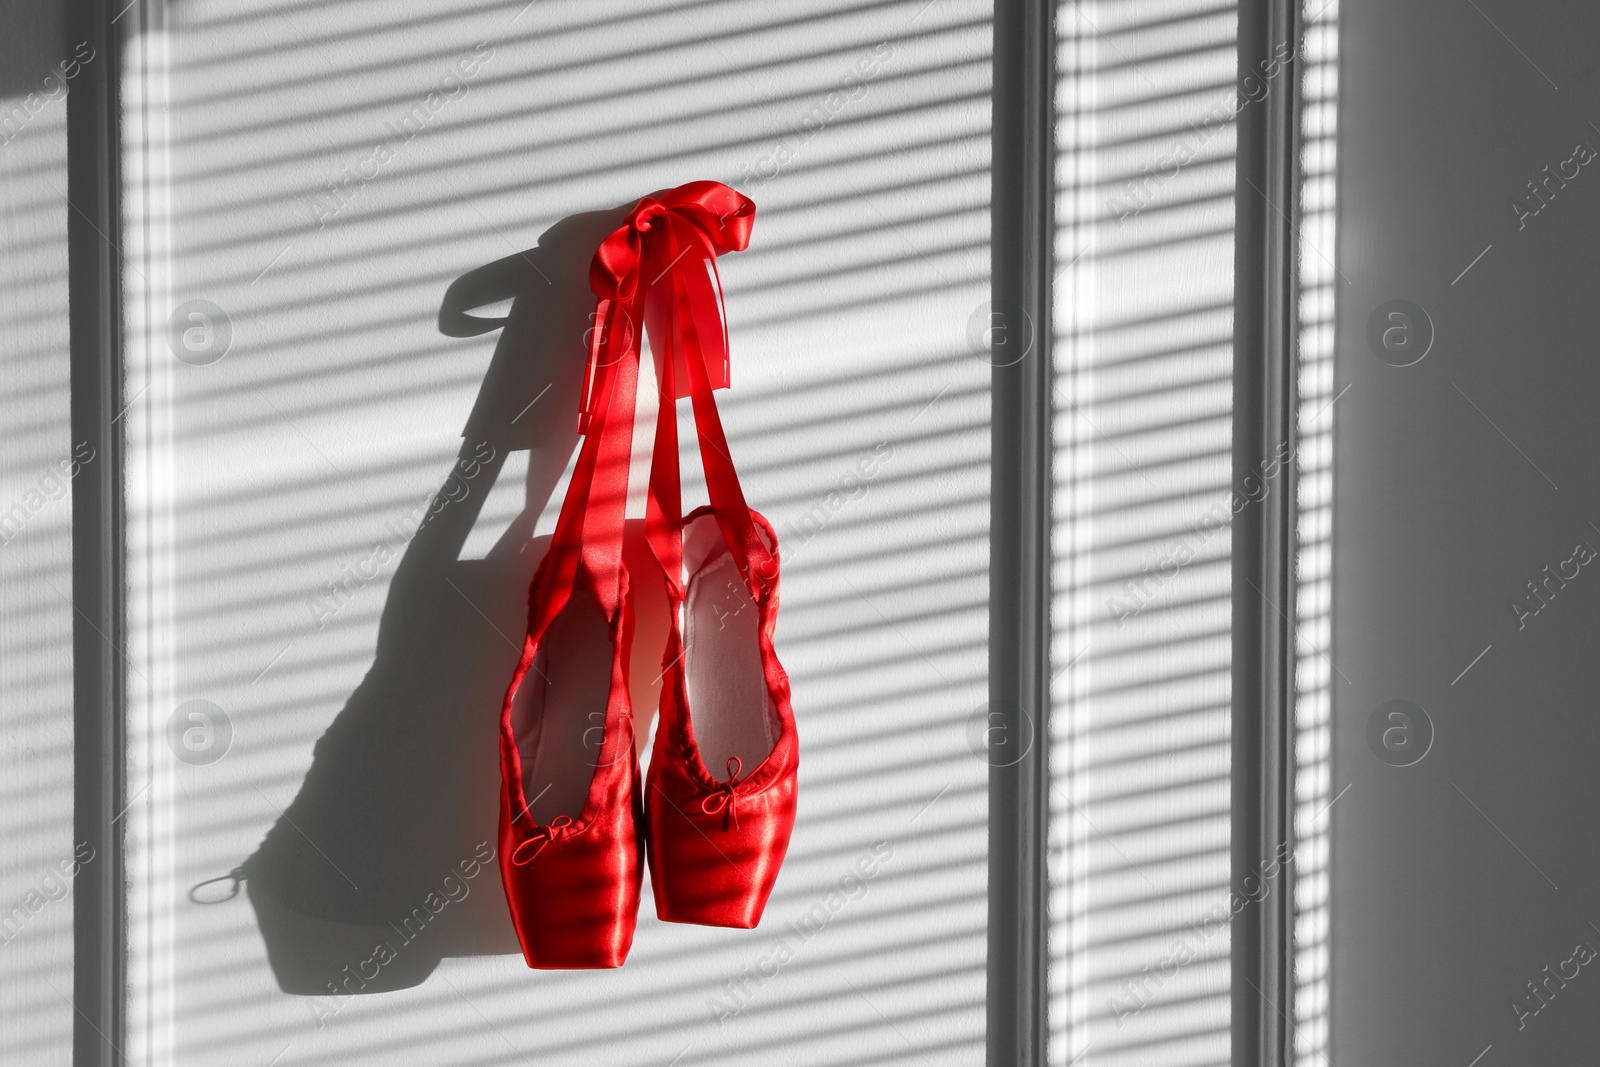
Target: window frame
<point x="1266" y="286"/>
<point x="1022" y="256"/>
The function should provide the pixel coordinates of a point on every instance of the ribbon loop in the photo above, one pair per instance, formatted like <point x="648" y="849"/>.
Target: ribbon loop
<point x="723" y="797"/>
<point x="537" y="839"/>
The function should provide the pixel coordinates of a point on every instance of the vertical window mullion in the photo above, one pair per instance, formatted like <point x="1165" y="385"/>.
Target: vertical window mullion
<point x="94" y="279"/>
<point x="1019" y="569"/>
<point x="1266" y="283"/>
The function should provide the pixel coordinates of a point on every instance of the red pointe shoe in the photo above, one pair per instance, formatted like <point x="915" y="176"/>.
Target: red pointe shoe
<point x="720" y="797"/>
<point x="571" y="817"/>
<point x="721" y="790"/>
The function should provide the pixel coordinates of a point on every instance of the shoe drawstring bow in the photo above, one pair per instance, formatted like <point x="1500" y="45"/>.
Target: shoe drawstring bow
<point x="723" y="798"/>
<point x="537" y="839"/>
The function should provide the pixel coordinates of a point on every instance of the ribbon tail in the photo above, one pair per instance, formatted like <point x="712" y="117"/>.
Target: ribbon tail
<point x="613" y="337"/>
<point x="722" y="320"/>
<point x="699" y="312"/>
<point x="598" y="330"/>
<point x="664" y="503"/>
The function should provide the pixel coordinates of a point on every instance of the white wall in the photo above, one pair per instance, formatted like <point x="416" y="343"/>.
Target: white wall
<point x="36" y="845"/>
<point x="339" y="408"/>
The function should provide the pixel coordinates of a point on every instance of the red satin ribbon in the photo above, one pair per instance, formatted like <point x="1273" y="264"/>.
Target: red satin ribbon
<point x="665" y="253"/>
<point x="658" y="271"/>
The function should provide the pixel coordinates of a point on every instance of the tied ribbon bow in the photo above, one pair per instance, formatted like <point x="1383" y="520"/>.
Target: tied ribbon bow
<point x="659" y="269"/>
<point x="722" y="799"/>
<point x="537" y="839"/>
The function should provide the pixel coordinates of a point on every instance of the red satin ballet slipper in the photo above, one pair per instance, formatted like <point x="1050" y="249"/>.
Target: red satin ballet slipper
<point x="721" y="791"/>
<point x="571" y="816"/>
<point x="720" y="796"/>
<point x="572" y="880"/>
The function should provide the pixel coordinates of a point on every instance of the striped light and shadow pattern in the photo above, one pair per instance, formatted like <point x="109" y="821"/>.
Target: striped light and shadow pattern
<point x="1315" y="674"/>
<point x="1147" y="93"/>
<point x="36" y="620"/>
<point x="321" y="175"/>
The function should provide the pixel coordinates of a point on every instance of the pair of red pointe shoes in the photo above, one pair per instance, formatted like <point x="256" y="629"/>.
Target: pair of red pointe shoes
<point x="576" y="821"/>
